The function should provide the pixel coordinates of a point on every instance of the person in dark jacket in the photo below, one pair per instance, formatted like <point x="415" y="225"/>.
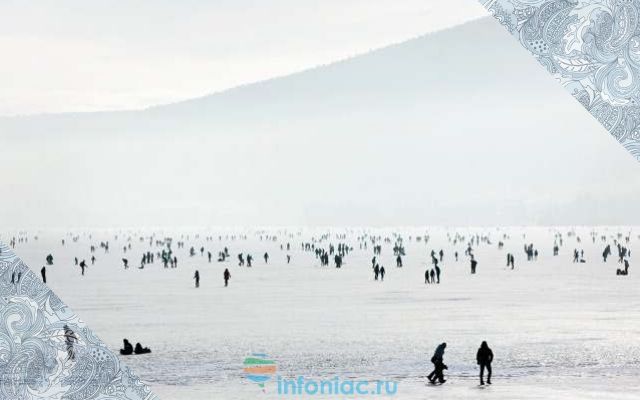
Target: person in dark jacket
<point x="474" y="265"/>
<point x="227" y="276"/>
<point x="438" y="365"/>
<point x="127" y="349"/>
<point x="141" y="350"/>
<point x="484" y="359"/>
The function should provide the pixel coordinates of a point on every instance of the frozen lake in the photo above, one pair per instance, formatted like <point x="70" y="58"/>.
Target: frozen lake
<point x="559" y="330"/>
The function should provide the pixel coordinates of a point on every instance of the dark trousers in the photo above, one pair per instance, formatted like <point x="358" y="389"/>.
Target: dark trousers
<point x="438" y="367"/>
<point x="482" y="367"/>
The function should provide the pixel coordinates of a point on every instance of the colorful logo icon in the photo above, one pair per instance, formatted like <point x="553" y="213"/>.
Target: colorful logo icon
<point x="259" y="368"/>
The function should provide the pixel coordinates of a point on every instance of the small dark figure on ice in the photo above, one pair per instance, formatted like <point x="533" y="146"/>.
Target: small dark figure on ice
<point x="127" y="349"/>
<point x="474" y="265"/>
<point x="484" y="359"/>
<point x="438" y="365"/>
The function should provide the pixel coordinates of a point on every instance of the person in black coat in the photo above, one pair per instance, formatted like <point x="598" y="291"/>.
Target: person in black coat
<point x="141" y="350"/>
<point x="484" y="359"/>
<point x="128" y="348"/>
<point x="438" y="365"/>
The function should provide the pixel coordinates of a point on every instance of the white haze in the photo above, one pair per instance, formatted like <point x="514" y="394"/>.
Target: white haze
<point x="460" y="127"/>
<point x="78" y="55"/>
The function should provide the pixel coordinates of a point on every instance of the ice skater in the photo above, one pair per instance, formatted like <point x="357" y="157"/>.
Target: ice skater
<point x="484" y="357"/>
<point x="196" y="276"/>
<point x="382" y="273"/>
<point x="226" y="276"/>
<point x="43" y="272"/>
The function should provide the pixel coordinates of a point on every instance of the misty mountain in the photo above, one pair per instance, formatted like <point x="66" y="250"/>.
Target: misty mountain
<point x="457" y="127"/>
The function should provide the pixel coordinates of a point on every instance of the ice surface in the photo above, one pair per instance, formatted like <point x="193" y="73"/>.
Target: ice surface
<point x="559" y="330"/>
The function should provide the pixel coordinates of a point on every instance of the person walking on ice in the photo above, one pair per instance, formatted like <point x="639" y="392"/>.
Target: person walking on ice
<point x="227" y="276"/>
<point x="438" y="365"/>
<point x="484" y="359"/>
<point x="196" y="276"/>
<point x="69" y="338"/>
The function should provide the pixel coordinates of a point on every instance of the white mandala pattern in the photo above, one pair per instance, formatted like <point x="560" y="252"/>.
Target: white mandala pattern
<point x="34" y="359"/>
<point x="592" y="47"/>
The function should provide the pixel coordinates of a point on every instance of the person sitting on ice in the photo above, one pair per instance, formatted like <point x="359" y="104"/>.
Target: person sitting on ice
<point x="128" y="348"/>
<point x="140" y="350"/>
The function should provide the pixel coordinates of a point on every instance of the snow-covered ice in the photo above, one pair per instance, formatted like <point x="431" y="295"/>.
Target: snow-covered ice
<point x="559" y="330"/>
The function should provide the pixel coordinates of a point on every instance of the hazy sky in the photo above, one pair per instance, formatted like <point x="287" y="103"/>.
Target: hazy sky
<point x="78" y="55"/>
<point x="434" y="131"/>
